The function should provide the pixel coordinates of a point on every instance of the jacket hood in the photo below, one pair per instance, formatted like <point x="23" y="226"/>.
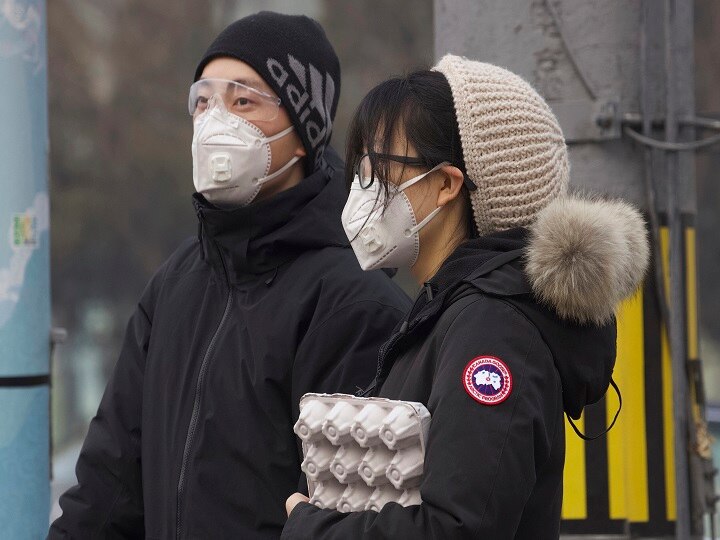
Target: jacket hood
<point x="567" y="274"/>
<point x="264" y="235"/>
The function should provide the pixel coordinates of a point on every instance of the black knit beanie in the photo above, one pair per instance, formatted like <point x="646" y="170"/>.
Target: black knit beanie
<point x="293" y="55"/>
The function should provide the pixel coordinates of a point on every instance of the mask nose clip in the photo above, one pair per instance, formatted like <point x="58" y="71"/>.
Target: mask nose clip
<point x="215" y="101"/>
<point x="220" y="167"/>
<point x="216" y="108"/>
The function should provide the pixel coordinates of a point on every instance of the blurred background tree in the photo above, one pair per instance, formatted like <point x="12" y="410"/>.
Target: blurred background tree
<point x="119" y="169"/>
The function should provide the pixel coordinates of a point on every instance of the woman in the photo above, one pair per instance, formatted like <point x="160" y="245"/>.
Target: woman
<point x="461" y="176"/>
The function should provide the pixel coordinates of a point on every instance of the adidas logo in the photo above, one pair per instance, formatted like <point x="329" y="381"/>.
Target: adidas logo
<point x="311" y="95"/>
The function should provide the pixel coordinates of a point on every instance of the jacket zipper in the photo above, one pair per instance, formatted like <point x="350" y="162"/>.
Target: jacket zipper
<point x="386" y="347"/>
<point x="196" y="404"/>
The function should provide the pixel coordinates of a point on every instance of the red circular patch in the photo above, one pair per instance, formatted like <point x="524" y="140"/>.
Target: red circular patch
<point x="487" y="380"/>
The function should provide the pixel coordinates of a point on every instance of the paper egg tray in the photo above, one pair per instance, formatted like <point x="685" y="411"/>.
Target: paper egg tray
<point x="362" y="453"/>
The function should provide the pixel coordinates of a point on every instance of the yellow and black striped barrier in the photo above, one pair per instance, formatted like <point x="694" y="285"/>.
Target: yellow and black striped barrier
<point x="624" y="483"/>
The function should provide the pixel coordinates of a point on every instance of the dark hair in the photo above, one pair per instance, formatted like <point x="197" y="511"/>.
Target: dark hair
<point x="419" y="105"/>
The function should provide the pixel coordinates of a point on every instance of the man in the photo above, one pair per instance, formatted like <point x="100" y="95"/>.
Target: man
<point x="193" y="437"/>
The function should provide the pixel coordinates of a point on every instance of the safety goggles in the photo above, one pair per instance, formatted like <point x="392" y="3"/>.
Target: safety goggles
<point x="247" y="102"/>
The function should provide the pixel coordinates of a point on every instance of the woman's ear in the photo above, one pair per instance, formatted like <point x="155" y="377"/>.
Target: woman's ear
<point x="452" y="183"/>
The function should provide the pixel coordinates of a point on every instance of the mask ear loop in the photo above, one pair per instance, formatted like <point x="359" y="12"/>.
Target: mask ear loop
<point x="585" y="437"/>
<point x="278" y="135"/>
<point x="290" y="163"/>
<point x="261" y="181"/>
<point x="416" y="179"/>
<point x="402" y="187"/>
<point x="412" y="230"/>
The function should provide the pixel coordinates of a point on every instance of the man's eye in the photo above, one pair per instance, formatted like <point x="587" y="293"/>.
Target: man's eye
<point x="243" y="102"/>
<point x="201" y="102"/>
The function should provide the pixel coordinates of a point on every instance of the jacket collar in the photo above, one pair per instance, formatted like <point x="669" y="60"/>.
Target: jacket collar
<point x="262" y="236"/>
<point x="474" y="261"/>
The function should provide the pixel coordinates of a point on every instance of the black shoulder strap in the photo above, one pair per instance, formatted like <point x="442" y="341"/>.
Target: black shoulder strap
<point x="495" y="263"/>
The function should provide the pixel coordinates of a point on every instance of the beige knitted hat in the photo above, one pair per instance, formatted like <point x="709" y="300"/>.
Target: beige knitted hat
<point x="513" y="146"/>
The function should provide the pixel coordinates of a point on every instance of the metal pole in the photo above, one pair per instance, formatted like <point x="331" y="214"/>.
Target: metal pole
<point x="676" y="326"/>
<point x="24" y="272"/>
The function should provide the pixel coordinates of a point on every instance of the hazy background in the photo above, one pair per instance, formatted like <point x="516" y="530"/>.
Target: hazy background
<point x="120" y="165"/>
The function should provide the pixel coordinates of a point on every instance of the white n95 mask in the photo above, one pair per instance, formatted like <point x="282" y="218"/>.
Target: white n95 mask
<point x="384" y="233"/>
<point x="231" y="156"/>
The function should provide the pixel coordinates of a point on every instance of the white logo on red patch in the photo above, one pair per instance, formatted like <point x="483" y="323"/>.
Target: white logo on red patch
<point x="487" y="380"/>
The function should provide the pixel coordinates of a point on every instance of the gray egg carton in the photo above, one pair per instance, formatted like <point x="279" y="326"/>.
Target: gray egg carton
<point x="362" y="453"/>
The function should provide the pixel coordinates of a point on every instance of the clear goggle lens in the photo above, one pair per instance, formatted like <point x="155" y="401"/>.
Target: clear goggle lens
<point x="244" y="101"/>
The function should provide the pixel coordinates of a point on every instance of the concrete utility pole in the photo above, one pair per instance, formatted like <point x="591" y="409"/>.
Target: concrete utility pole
<point x="24" y="272"/>
<point x="620" y="77"/>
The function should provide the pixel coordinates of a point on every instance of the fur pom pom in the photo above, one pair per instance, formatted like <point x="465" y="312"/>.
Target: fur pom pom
<point x="585" y="256"/>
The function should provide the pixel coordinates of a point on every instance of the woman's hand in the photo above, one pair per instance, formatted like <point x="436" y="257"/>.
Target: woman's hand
<point x="293" y="501"/>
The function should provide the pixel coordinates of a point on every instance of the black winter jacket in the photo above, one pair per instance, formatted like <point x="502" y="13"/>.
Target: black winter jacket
<point x="491" y="470"/>
<point x="193" y="437"/>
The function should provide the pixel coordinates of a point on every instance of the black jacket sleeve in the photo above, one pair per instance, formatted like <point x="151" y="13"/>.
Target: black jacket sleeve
<point x="481" y="460"/>
<point x="340" y="353"/>
<point x="107" y="501"/>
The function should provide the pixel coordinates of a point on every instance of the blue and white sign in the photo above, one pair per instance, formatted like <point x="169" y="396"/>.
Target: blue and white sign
<point x="24" y="271"/>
